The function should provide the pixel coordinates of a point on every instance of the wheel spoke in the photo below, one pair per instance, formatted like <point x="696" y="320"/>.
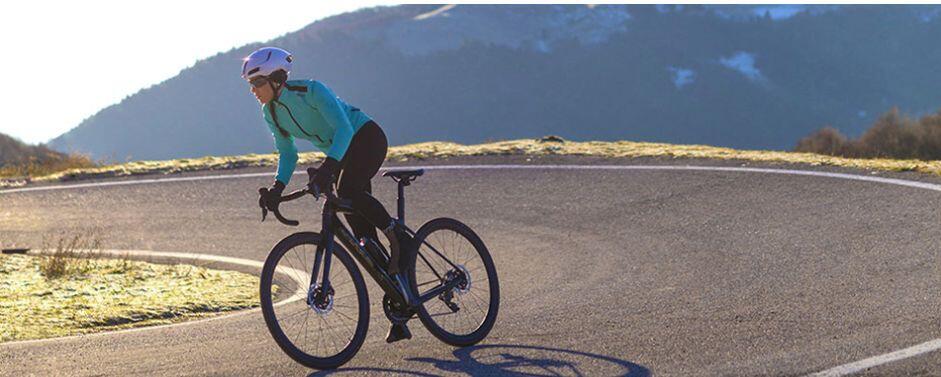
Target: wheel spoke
<point x="477" y="300"/>
<point x="294" y="272"/>
<point x="345" y="324"/>
<point x="306" y="316"/>
<point x="335" y="329"/>
<point x="295" y="313"/>
<point x="454" y="245"/>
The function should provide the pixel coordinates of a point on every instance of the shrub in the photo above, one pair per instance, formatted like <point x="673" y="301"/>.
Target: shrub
<point x="70" y="255"/>
<point x="827" y="140"/>
<point x="893" y="135"/>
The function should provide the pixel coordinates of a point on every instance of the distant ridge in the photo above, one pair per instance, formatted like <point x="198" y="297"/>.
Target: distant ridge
<point x="753" y="77"/>
<point x="19" y="160"/>
<point x="13" y="152"/>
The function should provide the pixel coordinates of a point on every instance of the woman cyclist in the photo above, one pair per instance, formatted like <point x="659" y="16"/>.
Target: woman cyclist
<point x="354" y="144"/>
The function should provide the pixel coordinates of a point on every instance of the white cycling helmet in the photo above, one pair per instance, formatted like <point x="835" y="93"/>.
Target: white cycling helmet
<point x="265" y="61"/>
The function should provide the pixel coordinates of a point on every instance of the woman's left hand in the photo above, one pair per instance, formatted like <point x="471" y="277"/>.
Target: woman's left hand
<point x="326" y="173"/>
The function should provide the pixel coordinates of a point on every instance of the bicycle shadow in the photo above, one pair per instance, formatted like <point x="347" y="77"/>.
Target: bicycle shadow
<point x="516" y="360"/>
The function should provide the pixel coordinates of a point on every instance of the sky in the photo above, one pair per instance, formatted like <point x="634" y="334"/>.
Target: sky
<point x="63" y="61"/>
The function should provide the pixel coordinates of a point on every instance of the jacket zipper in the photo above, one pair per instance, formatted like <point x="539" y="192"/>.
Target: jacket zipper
<point x="295" y="120"/>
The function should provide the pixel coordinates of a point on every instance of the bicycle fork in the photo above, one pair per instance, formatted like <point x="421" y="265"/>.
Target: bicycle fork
<point x="319" y="295"/>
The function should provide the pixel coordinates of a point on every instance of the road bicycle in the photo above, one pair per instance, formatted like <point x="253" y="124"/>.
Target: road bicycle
<point x="317" y="309"/>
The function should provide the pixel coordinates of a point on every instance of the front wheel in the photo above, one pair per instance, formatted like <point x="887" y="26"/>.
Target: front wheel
<point x="319" y="325"/>
<point x="452" y="254"/>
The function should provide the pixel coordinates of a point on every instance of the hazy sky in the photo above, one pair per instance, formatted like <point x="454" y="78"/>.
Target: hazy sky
<point x="65" y="60"/>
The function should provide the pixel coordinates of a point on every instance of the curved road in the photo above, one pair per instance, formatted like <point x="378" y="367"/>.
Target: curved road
<point x="603" y="272"/>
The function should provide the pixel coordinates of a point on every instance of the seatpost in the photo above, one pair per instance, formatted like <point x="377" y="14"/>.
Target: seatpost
<point x="401" y="201"/>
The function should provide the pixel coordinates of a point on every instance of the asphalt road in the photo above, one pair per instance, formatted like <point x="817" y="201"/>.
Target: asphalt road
<point x="603" y="272"/>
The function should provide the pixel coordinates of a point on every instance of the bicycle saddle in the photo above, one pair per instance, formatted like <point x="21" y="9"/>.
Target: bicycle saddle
<point x="404" y="174"/>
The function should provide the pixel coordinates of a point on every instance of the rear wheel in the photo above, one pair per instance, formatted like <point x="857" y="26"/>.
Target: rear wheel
<point x="318" y="326"/>
<point x="451" y="252"/>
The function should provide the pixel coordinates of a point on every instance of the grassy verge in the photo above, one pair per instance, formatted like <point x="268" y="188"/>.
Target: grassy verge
<point x="49" y="166"/>
<point x="68" y="294"/>
<point x="536" y="147"/>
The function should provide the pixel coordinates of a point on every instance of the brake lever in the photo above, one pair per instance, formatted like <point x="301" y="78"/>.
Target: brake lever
<point x="311" y="187"/>
<point x="261" y="202"/>
<point x="314" y="190"/>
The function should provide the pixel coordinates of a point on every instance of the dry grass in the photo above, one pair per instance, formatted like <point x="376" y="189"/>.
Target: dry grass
<point x="534" y="147"/>
<point x="39" y="168"/>
<point x="70" y="254"/>
<point x="112" y="294"/>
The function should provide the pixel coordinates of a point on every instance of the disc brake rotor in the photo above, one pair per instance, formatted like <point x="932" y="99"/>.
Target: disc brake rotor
<point x="464" y="286"/>
<point x="319" y="301"/>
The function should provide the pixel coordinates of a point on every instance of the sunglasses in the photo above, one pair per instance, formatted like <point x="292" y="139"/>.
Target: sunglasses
<point x="258" y="81"/>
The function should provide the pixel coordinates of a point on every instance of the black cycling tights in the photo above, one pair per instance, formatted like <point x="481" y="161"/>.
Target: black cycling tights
<point x="363" y="158"/>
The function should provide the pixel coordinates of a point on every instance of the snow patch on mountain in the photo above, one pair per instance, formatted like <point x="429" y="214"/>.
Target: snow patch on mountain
<point x="450" y="27"/>
<point x="775" y="12"/>
<point x="681" y="76"/>
<point x="779" y="12"/>
<point x="667" y="8"/>
<point x="437" y="12"/>
<point x="542" y="46"/>
<point x="929" y="14"/>
<point x="744" y="63"/>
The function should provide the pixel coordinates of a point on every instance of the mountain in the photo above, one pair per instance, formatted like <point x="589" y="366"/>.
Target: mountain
<point x="18" y="160"/>
<point x="15" y="152"/>
<point x="738" y="76"/>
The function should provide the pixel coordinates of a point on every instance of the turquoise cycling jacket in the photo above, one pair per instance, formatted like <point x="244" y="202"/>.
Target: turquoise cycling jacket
<point x="309" y="110"/>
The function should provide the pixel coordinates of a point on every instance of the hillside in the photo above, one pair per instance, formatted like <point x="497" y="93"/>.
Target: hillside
<point x="702" y="75"/>
<point x="15" y="152"/>
<point x="19" y="159"/>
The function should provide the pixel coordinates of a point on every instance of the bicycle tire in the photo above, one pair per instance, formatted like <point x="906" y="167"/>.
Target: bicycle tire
<point x="427" y="319"/>
<point x="268" y="305"/>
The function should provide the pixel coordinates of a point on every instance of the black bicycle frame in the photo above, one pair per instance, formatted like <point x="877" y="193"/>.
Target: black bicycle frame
<point x="333" y="230"/>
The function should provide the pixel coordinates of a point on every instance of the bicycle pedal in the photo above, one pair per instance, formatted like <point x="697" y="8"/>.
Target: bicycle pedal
<point x="398" y="332"/>
<point x="454" y="308"/>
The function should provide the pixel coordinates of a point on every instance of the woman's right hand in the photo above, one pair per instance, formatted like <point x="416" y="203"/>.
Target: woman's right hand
<point x="270" y="198"/>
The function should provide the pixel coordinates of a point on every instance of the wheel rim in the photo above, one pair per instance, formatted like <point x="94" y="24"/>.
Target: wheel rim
<point x="318" y="323"/>
<point x="472" y="295"/>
